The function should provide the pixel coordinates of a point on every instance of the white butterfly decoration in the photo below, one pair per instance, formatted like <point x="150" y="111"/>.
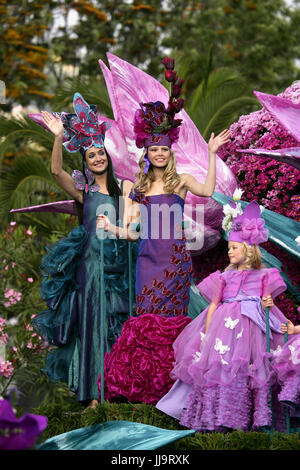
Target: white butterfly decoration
<point x="202" y="335"/>
<point x="197" y="356"/>
<point x="295" y="352"/>
<point x="220" y="347"/>
<point x="240" y="334"/>
<point x="229" y="323"/>
<point x="223" y="360"/>
<point x="277" y="350"/>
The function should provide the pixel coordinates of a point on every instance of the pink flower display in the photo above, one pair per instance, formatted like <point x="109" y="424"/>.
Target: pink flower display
<point x="12" y="297"/>
<point x="271" y="183"/>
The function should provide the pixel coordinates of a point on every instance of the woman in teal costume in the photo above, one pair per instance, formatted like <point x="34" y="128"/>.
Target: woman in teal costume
<point x="71" y="269"/>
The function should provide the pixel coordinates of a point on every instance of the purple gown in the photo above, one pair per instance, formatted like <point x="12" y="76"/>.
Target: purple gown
<point x="139" y="364"/>
<point x="224" y="376"/>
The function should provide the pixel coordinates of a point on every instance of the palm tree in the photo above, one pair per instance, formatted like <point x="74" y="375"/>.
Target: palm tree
<point x="29" y="181"/>
<point x="220" y="97"/>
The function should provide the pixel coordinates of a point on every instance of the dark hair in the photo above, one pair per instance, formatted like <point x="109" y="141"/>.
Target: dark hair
<point x="112" y="184"/>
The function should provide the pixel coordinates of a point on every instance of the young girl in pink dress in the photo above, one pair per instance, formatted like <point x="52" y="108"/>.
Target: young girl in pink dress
<point x="222" y="366"/>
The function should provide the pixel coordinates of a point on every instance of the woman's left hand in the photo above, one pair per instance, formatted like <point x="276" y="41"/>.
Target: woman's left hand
<point x="267" y="302"/>
<point x="215" y="143"/>
<point x="103" y="222"/>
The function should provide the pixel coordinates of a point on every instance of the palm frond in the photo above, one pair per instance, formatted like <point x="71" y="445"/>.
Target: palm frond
<point x="215" y="108"/>
<point x="227" y="114"/>
<point x="93" y="93"/>
<point x="27" y="184"/>
<point x="22" y="128"/>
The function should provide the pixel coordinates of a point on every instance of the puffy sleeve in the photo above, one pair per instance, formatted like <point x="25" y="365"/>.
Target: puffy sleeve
<point x="211" y="288"/>
<point x="272" y="283"/>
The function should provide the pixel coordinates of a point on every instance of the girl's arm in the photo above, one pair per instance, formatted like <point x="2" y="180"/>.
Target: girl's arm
<point x="207" y="189"/>
<point x="267" y="302"/>
<point x="63" y="178"/>
<point x="211" y="309"/>
<point x="291" y="329"/>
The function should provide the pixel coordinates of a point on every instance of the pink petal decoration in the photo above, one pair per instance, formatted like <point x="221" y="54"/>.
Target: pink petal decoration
<point x="127" y="87"/>
<point x="65" y="207"/>
<point x="283" y="111"/>
<point x="290" y="155"/>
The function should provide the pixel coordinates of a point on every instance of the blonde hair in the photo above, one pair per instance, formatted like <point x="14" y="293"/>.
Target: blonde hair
<point x="253" y="257"/>
<point x="171" y="178"/>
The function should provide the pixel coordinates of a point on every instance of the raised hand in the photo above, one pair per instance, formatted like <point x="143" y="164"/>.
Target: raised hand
<point x="215" y="143"/>
<point x="53" y="123"/>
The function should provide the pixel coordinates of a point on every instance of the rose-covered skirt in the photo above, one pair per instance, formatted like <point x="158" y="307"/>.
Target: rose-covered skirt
<point x="139" y="364"/>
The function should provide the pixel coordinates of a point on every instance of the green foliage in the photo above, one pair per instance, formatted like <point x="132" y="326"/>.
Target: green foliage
<point x="74" y="416"/>
<point x="218" y="100"/>
<point x="21" y="348"/>
<point x="93" y="92"/>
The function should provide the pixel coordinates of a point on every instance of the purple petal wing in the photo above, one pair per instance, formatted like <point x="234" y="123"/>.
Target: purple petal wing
<point x="64" y="207"/>
<point x="94" y="188"/>
<point x="79" y="179"/>
<point x="283" y="111"/>
<point x="90" y="176"/>
<point x="290" y="155"/>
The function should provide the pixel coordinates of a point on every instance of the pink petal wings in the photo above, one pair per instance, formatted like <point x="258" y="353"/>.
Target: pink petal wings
<point x="65" y="207"/>
<point x="283" y="111"/>
<point x="290" y="155"/>
<point x="127" y="87"/>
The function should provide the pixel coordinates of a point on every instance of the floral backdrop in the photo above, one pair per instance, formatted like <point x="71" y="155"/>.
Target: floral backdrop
<point x="273" y="184"/>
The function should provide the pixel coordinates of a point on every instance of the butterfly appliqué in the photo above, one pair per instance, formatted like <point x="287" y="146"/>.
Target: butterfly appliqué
<point x="229" y="323"/>
<point x="197" y="356"/>
<point x="295" y="352"/>
<point x="220" y="347"/>
<point x="85" y="184"/>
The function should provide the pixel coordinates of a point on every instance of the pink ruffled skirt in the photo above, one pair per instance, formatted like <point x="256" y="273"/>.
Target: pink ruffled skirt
<point x="138" y="367"/>
<point x="226" y="374"/>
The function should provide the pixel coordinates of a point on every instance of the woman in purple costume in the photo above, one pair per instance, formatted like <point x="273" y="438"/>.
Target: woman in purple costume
<point x="138" y="366"/>
<point x="223" y="369"/>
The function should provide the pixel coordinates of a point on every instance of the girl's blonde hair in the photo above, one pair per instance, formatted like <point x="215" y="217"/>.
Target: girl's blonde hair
<point x="171" y="179"/>
<point x="253" y="258"/>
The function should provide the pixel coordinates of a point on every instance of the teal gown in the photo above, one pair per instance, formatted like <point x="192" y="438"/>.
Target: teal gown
<point x="71" y="288"/>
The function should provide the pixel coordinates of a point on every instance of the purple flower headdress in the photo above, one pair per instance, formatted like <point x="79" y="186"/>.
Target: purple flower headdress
<point x="245" y="226"/>
<point x="154" y="124"/>
<point x="82" y="129"/>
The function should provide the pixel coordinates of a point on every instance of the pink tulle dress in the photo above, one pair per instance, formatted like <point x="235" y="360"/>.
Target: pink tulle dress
<point x="223" y="377"/>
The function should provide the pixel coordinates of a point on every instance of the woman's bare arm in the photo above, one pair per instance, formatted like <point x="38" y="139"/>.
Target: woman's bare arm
<point x="63" y="178"/>
<point x="207" y="188"/>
